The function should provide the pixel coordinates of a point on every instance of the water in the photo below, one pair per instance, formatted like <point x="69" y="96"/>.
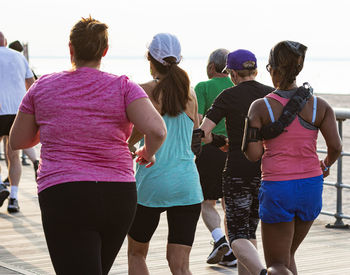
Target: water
<point x="325" y="76"/>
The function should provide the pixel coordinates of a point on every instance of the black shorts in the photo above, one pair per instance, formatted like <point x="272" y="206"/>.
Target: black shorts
<point x="182" y="223"/>
<point x="241" y="206"/>
<point x="210" y="165"/>
<point x="6" y="122"/>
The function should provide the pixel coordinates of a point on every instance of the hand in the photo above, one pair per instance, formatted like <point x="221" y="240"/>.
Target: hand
<point x="324" y="168"/>
<point x="225" y="147"/>
<point x="143" y="158"/>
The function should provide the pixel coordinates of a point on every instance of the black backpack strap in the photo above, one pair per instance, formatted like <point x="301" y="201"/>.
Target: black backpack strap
<point x="292" y="108"/>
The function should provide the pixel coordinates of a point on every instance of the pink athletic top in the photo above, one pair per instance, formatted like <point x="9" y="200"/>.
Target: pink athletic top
<point x="291" y="155"/>
<point x="83" y="126"/>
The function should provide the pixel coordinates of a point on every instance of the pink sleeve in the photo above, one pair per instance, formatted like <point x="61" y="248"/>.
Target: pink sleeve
<point x="133" y="92"/>
<point x="27" y="105"/>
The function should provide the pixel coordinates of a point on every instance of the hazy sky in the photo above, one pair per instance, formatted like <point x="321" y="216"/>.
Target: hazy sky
<point x="201" y="26"/>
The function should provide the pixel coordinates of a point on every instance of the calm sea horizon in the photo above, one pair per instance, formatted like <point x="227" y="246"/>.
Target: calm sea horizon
<point x="326" y="76"/>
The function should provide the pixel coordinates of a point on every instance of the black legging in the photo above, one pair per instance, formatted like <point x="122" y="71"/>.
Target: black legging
<point x="85" y="224"/>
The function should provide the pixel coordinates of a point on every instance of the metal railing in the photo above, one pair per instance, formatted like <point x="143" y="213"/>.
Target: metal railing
<point x="341" y="114"/>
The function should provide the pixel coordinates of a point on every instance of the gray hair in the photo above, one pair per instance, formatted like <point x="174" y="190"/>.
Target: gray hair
<point x="2" y="40"/>
<point x="218" y="58"/>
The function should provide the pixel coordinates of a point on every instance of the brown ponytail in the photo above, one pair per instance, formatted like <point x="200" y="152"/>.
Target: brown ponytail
<point x="89" y="38"/>
<point x="174" y="89"/>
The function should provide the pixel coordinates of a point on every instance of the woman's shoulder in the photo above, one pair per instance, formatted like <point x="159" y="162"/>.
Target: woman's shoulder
<point x="258" y="103"/>
<point x="123" y="79"/>
<point x="52" y="76"/>
<point x="149" y="86"/>
<point x="322" y="102"/>
<point x="258" y="108"/>
<point x="47" y="80"/>
<point x="323" y="106"/>
<point x="122" y="82"/>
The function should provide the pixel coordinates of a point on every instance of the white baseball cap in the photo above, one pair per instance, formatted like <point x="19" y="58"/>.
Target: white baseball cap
<point x="165" y="45"/>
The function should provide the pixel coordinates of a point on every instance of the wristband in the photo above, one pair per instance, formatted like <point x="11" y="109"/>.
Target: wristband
<point x="326" y="168"/>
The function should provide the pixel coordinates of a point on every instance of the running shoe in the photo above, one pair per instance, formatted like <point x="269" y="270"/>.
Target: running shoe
<point x="221" y="247"/>
<point x="4" y="193"/>
<point x="229" y="260"/>
<point x="13" y="206"/>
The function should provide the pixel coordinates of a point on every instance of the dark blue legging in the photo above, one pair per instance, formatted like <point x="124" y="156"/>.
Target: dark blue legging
<point x="85" y="224"/>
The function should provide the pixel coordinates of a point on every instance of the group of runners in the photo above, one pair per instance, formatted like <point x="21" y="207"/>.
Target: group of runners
<point x="92" y="124"/>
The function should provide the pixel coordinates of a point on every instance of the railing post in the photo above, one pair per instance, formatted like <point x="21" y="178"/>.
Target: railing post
<point x="338" y="215"/>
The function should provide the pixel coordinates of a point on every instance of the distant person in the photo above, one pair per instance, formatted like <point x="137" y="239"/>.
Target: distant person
<point x="241" y="178"/>
<point x="30" y="152"/>
<point x="15" y="78"/>
<point x="171" y="185"/>
<point x="211" y="161"/>
<point x="17" y="46"/>
<point x="83" y="118"/>
<point x="292" y="175"/>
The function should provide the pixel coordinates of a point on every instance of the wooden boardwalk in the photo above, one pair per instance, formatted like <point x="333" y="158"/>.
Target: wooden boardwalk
<point x="23" y="249"/>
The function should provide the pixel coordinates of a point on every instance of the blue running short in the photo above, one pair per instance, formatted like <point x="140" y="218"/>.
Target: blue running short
<point x="281" y="201"/>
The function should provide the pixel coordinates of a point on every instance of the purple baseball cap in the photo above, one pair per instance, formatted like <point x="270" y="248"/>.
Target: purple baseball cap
<point x="236" y="60"/>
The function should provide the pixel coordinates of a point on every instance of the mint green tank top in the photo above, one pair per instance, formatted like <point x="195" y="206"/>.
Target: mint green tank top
<point x="173" y="180"/>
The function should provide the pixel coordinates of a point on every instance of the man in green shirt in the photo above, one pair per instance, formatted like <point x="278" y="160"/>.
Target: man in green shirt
<point x="211" y="162"/>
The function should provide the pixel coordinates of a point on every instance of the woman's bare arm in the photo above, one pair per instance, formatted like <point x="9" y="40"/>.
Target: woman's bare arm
<point x="148" y="122"/>
<point x="136" y="135"/>
<point x="329" y="130"/>
<point x="24" y="132"/>
<point x="255" y="149"/>
<point x="207" y="126"/>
